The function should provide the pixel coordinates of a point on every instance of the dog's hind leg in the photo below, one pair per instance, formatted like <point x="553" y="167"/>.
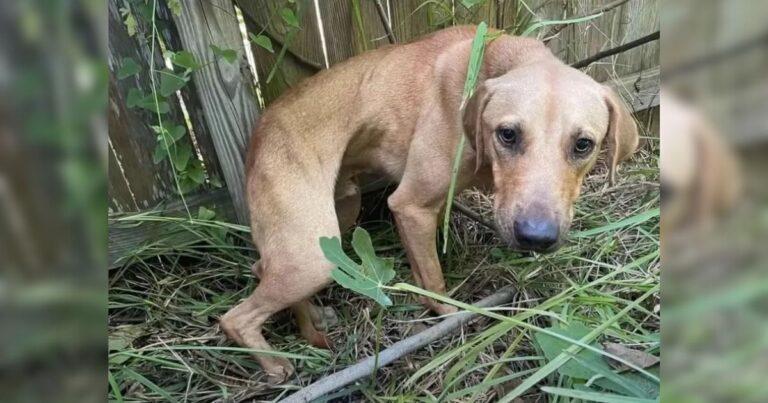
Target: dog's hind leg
<point x="292" y="269"/>
<point x="347" y="199"/>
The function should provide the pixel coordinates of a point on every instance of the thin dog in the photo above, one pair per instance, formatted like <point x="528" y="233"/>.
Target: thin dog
<point x="535" y="127"/>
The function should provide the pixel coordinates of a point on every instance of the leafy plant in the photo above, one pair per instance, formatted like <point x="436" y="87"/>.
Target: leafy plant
<point x="172" y="144"/>
<point x="263" y="41"/>
<point x="587" y="368"/>
<point x="369" y="276"/>
<point x="291" y="20"/>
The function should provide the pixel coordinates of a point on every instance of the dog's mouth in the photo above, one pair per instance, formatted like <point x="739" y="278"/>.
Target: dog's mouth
<point x="515" y="246"/>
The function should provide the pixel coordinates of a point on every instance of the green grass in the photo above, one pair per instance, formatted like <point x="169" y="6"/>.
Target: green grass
<point x="163" y="307"/>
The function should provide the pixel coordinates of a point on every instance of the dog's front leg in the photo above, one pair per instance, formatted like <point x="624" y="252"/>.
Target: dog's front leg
<point x="417" y="226"/>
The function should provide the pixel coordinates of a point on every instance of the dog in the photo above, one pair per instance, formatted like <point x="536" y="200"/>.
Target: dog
<point x="701" y="179"/>
<point x="535" y="127"/>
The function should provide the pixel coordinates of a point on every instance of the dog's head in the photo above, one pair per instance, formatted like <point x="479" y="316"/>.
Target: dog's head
<point x="700" y="176"/>
<point x="540" y="128"/>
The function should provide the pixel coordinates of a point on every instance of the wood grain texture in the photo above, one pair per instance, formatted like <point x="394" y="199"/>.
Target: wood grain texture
<point x="189" y="94"/>
<point x="639" y="90"/>
<point x="225" y="89"/>
<point x="125" y="239"/>
<point x="129" y="128"/>
<point x="299" y="62"/>
<point x="265" y="17"/>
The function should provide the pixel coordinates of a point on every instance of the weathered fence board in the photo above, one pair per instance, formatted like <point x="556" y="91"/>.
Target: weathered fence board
<point x="189" y="94"/>
<point x="225" y="89"/>
<point x="130" y="129"/>
<point x="126" y="238"/>
<point x="295" y="64"/>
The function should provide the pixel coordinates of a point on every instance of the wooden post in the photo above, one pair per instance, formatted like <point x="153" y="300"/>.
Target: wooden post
<point x="225" y="89"/>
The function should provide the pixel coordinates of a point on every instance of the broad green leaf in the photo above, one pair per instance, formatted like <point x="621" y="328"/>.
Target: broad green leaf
<point x="650" y="389"/>
<point x="366" y="278"/>
<point x="185" y="59"/>
<point x="180" y="156"/>
<point x="177" y="132"/>
<point x="137" y="99"/>
<point x="159" y="154"/>
<point x="204" y="213"/>
<point x="128" y="69"/>
<point x="617" y="382"/>
<point x="230" y="55"/>
<point x="372" y="265"/>
<point x="552" y="347"/>
<point x="134" y="98"/>
<point x="196" y="172"/>
<point x="170" y="83"/>
<point x="263" y="41"/>
<point x="186" y="184"/>
<point x="169" y="134"/>
<point x="289" y="17"/>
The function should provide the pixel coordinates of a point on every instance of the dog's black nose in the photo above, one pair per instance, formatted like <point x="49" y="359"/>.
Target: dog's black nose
<point x="537" y="233"/>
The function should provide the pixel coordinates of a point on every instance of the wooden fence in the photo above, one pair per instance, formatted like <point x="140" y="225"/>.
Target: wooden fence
<point x="219" y="104"/>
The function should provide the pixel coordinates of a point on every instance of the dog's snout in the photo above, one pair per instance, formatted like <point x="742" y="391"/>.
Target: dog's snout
<point x="536" y="233"/>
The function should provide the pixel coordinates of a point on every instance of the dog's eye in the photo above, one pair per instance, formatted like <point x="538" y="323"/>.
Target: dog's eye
<point x="583" y="146"/>
<point x="508" y="136"/>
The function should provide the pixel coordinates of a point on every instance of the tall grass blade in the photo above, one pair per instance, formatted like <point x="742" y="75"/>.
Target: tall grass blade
<point x="594" y="396"/>
<point x="627" y="222"/>
<point x="541" y="24"/>
<point x="473" y="71"/>
<point x="566" y="355"/>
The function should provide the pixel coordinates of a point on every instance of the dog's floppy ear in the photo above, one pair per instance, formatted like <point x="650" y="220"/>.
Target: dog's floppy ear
<point x="473" y="122"/>
<point x="718" y="182"/>
<point x="622" y="137"/>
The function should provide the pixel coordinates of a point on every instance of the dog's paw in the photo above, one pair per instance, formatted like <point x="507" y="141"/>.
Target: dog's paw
<point x="278" y="369"/>
<point x="438" y="308"/>
<point x="324" y="318"/>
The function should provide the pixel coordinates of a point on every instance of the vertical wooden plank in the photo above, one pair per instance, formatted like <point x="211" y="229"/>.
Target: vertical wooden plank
<point x="340" y="36"/>
<point x="129" y="128"/>
<point x="118" y="190"/>
<point x="225" y="89"/>
<point x="265" y="17"/>
<point x="204" y="141"/>
<point x="303" y="56"/>
<point x="409" y="21"/>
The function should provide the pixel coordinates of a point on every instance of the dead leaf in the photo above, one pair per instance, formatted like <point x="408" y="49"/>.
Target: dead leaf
<point x="637" y="357"/>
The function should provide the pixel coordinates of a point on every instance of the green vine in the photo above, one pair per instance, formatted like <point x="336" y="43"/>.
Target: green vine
<point x="172" y="143"/>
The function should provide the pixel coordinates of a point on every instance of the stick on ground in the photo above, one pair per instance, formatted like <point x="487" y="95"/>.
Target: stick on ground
<point x="365" y="367"/>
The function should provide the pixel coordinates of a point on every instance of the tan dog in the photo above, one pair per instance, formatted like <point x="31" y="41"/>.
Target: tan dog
<point x="535" y="126"/>
<point x="700" y="175"/>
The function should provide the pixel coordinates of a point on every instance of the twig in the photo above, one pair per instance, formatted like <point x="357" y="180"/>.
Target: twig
<point x="612" y="51"/>
<point x="718" y="56"/>
<point x="471" y="214"/>
<point x="608" y="7"/>
<point x="385" y="22"/>
<point x="363" y="368"/>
